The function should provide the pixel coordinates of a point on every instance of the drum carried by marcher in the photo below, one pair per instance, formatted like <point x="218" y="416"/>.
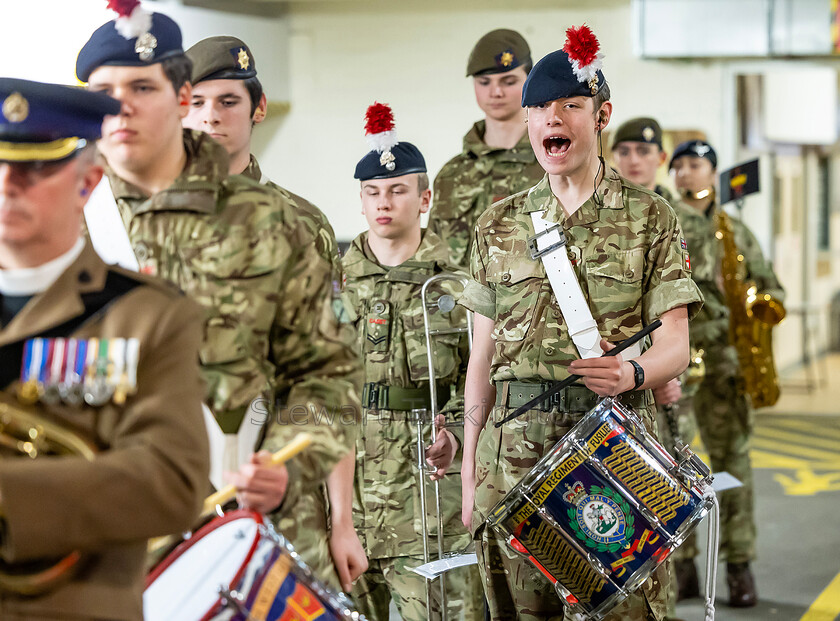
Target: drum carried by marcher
<point x="238" y="568"/>
<point x="604" y="508"/>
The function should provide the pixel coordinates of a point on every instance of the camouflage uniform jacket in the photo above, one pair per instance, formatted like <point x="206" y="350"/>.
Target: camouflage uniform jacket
<point x="710" y="328"/>
<point x="312" y="217"/>
<point x="628" y="259"/>
<point x="384" y="305"/>
<point x="472" y="181"/>
<point x="240" y="251"/>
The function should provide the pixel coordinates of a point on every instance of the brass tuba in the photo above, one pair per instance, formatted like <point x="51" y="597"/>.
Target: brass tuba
<point x="26" y="435"/>
<point x="752" y="318"/>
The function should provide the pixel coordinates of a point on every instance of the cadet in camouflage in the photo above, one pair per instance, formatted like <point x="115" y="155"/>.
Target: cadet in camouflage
<point x="497" y="159"/>
<point x="227" y="102"/>
<point x="272" y="354"/>
<point x="624" y="244"/>
<point x="724" y="412"/>
<point x="386" y="268"/>
<point x="638" y="154"/>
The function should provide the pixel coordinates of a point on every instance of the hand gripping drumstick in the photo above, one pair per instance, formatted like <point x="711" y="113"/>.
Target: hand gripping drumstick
<point x="226" y="494"/>
<point x="571" y="379"/>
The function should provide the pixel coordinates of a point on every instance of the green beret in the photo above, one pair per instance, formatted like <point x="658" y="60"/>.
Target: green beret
<point x="498" y="51"/>
<point x="221" y="58"/>
<point x="642" y="129"/>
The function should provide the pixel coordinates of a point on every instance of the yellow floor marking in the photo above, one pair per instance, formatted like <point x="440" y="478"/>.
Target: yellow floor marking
<point x="827" y="605"/>
<point x="822" y="430"/>
<point x="800" y="438"/>
<point x="760" y="459"/>
<point x="784" y="448"/>
<point x="806" y="482"/>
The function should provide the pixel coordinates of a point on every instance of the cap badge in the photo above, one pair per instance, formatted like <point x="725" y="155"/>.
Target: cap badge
<point x="505" y="59"/>
<point x="648" y="134"/>
<point x="243" y="60"/>
<point x="145" y="46"/>
<point x="701" y="149"/>
<point x="16" y="108"/>
<point x="387" y="160"/>
<point x="593" y="85"/>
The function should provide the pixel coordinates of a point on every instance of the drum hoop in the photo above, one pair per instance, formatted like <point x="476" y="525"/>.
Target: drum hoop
<point x="199" y="534"/>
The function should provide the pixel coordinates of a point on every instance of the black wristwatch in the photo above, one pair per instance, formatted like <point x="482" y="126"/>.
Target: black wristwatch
<point x="638" y="374"/>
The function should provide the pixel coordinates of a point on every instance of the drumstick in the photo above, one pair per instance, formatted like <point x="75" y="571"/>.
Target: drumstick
<point x="226" y="494"/>
<point x="571" y="379"/>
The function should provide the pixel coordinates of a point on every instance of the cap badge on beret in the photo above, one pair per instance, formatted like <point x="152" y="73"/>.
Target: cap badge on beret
<point x="242" y="59"/>
<point x="15" y="108"/>
<point x="648" y="133"/>
<point x="135" y="21"/>
<point x="701" y="149"/>
<point x="583" y="48"/>
<point x="505" y="59"/>
<point x="380" y="134"/>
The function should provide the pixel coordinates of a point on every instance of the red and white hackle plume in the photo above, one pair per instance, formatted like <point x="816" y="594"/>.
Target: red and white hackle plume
<point x="132" y="19"/>
<point x="380" y="133"/>
<point x="583" y="49"/>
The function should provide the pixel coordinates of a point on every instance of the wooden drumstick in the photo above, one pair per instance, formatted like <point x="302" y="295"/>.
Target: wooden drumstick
<point x="226" y="494"/>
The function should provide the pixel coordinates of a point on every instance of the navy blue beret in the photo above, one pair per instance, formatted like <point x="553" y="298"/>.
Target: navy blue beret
<point x="106" y="46"/>
<point x="553" y="78"/>
<point x="694" y="148"/>
<point x="407" y="159"/>
<point x="43" y="122"/>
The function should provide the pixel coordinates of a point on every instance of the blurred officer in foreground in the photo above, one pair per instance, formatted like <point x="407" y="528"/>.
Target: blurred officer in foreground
<point x="105" y="359"/>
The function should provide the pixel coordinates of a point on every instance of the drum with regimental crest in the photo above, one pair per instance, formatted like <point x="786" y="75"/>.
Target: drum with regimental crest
<point x="238" y="568"/>
<point x="604" y="508"/>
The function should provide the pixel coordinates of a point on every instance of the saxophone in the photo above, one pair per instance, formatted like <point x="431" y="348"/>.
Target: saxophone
<point x="26" y="435"/>
<point x="752" y="317"/>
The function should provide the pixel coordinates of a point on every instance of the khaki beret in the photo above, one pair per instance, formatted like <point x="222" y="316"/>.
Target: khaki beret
<point x="221" y="58"/>
<point x="642" y="129"/>
<point x="498" y="51"/>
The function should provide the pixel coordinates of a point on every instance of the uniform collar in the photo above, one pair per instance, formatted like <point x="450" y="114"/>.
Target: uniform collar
<point x="253" y="171"/>
<point x="195" y="189"/>
<point x="61" y="301"/>
<point x="609" y="196"/>
<point x="474" y="145"/>
<point x="34" y="280"/>
<point x="359" y="261"/>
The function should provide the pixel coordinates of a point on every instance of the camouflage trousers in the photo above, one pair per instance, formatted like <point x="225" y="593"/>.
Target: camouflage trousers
<point x="305" y="526"/>
<point x="392" y="579"/>
<point x="724" y="415"/>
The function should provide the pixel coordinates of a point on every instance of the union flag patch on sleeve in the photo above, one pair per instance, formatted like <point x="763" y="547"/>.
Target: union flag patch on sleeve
<point x="683" y="244"/>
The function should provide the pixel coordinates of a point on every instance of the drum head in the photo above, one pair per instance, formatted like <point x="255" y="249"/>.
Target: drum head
<point x="186" y="584"/>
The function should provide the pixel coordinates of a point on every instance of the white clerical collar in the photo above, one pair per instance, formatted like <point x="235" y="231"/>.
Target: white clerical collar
<point x="34" y="280"/>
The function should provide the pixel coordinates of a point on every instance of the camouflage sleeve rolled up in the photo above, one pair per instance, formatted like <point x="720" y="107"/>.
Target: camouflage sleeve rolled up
<point x="669" y="283"/>
<point x="318" y="374"/>
<point x="759" y="270"/>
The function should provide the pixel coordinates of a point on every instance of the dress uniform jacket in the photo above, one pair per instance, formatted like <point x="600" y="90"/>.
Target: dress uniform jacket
<point x="473" y="180"/>
<point x="151" y="467"/>
<point x="624" y="243"/>
<point x="385" y="307"/>
<point x="238" y="249"/>
<point x="306" y="524"/>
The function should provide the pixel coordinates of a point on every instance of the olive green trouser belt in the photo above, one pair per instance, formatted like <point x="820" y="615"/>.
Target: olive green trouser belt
<point x="574" y="398"/>
<point x="384" y="397"/>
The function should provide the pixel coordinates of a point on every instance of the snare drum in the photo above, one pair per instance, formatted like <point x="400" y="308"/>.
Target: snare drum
<point x="239" y="568"/>
<point x="603" y="509"/>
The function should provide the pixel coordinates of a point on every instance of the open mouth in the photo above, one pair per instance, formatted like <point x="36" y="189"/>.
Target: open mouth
<point x="556" y="146"/>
